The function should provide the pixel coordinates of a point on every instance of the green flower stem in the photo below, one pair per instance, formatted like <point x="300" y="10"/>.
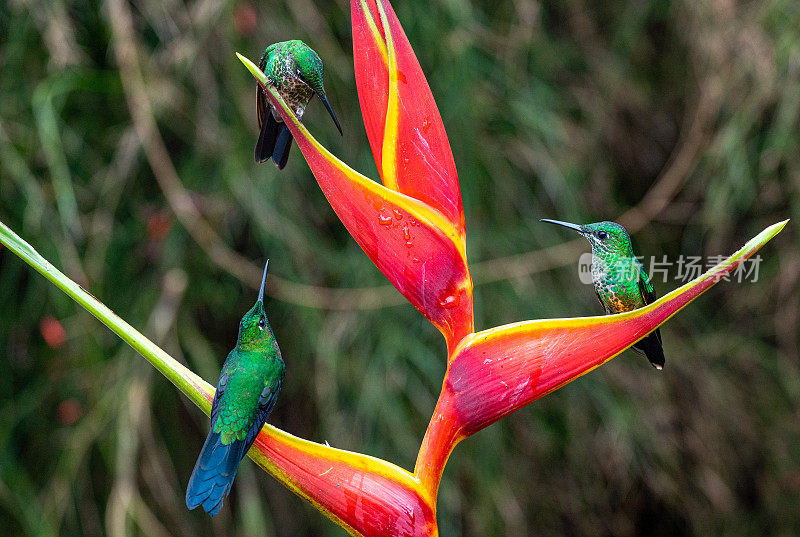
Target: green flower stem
<point x="195" y="388"/>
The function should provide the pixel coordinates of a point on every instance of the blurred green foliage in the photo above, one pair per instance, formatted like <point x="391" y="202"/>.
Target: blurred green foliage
<point x="573" y="110"/>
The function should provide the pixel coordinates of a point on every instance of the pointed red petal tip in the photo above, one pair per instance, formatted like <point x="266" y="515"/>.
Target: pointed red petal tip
<point x="498" y="371"/>
<point x="403" y="124"/>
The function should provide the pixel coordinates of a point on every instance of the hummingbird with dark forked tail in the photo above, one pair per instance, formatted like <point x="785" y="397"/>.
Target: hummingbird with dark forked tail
<point x="248" y="387"/>
<point x="296" y="72"/>
<point x="619" y="279"/>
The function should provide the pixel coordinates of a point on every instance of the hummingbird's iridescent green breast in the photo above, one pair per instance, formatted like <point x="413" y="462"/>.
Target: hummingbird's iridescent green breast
<point x="616" y="281"/>
<point x="616" y="273"/>
<point x="247" y="390"/>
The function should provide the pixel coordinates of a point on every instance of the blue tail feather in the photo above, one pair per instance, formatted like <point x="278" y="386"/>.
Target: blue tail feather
<point x="213" y="473"/>
<point x="217" y="463"/>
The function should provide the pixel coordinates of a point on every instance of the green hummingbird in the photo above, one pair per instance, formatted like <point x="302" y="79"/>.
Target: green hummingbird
<point x="619" y="279"/>
<point x="248" y="387"/>
<point x="296" y="72"/>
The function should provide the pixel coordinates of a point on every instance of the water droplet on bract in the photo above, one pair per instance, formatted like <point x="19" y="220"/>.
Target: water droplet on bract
<point x="415" y="259"/>
<point x="384" y="220"/>
<point x="398" y="214"/>
<point x="426" y="124"/>
<point x="406" y="233"/>
<point x="449" y="301"/>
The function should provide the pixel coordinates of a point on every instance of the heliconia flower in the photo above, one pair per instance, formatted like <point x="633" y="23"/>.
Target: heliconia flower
<point x="365" y="495"/>
<point x="492" y="373"/>
<point x="412" y="227"/>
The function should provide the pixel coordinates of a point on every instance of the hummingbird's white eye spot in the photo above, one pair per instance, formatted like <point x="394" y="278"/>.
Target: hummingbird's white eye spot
<point x="602" y="235"/>
<point x="262" y="323"/>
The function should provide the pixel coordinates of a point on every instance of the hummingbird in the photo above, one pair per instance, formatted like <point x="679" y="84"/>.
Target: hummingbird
<point x="295" y="70"/>
<point x="620" y="281"/>
<point x="247" y="389"/>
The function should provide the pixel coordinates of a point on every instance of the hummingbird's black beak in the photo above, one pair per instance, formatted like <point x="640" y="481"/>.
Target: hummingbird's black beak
<point x="576" y="227"/>
<point x="263" y="281"/>
<point x="324" y="100"/>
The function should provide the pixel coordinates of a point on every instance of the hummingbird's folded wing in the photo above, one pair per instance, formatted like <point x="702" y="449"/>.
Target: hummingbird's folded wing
<point x="267" y="399"/>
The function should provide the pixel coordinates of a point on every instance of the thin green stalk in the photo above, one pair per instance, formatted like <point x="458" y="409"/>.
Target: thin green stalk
<point x="195" y="388"/>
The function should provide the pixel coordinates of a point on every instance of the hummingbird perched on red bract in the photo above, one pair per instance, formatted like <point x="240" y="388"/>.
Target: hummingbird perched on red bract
<point x="619" y="279"/>
<point x="248" y="387"/>
<point x="295" y="70"/>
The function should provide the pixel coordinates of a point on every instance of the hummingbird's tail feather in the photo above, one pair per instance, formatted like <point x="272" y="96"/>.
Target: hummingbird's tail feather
<point x="280" y="154"/>
<point x="213" y="473"/>
<point x="270" y="128"/>
<point x="652" y="348"/>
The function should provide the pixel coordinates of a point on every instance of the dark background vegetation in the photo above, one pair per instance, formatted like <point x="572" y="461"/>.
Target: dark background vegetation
<point x="126" y="143"/>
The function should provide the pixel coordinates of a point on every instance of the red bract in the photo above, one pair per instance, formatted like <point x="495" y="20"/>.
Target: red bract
<point x="412" y="227"/>
<point x="403" y="124"/>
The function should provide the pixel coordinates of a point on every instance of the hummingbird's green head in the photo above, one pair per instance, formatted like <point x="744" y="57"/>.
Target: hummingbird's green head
<point x="255" y="333"/>
<point x="308" y="63"/>
<point x="310" y="71"/>
<point x="302" y="63"/>
<point x="606" y="238"/>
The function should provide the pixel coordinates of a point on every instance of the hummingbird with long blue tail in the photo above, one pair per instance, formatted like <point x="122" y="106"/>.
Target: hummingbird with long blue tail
<point x="619" y="279"/>
<point x="295" y="70"/>
<point x="247" y="389"/>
